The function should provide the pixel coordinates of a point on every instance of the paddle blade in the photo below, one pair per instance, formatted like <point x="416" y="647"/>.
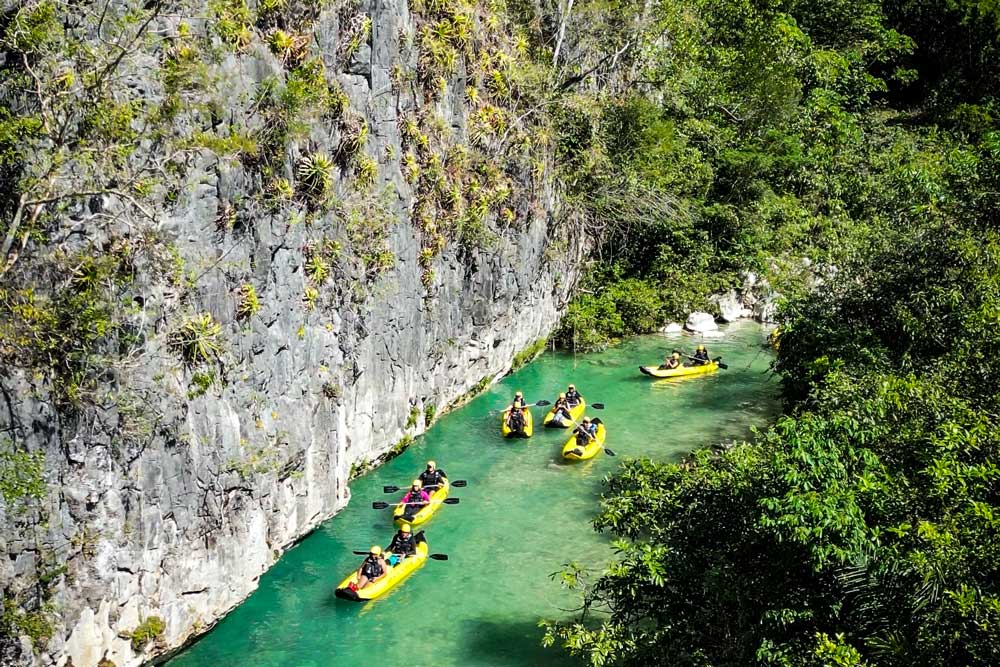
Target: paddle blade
<point x="458" y="483"/>
<point x="722" y="365"/>
<point x="379" y="505"/>
<point x="542" y="403"/>
<point x="390" y="489"/>
<point x="597" y="406"/>
<point x="451" y="501"/>
<point x="438" y="556"/>
<point x="609" y="452"/>
<point x="360" y="553"/>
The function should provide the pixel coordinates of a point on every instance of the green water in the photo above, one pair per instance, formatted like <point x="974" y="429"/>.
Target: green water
<point x="524" y="514"/>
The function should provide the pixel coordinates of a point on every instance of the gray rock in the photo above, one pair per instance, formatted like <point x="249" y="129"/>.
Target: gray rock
<point x="729" y="305"/>
<point x="700" y="322"/>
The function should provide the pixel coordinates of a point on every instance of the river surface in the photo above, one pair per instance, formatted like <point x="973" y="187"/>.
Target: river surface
<point x="524" y="515"/>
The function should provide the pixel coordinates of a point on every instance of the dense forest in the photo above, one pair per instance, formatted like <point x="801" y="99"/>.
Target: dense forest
<point x="863" y="528"/>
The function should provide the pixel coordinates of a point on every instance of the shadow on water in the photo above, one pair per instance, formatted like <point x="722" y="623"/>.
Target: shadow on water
<point x="506" y="643"/>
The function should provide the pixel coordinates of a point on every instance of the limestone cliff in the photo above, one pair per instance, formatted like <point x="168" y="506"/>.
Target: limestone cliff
<point x="254" y="249"/>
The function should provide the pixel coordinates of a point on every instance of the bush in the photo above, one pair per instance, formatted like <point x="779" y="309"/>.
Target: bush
<point x="198" y="338"/>
<point x="148" y="630"/>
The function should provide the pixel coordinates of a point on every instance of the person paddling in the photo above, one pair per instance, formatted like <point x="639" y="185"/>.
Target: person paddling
<point x="414" y="500"/>
<point x="372" y="568"/>
<point x="585" y="432"/>
<point x="561" y="408"/>
<point x="671" y="362"/>
<point x="403" y="544"/>
<point x="515" y="413"/>
<point x="701" y="356"/>
<point x="432" y="478"/>
<point x="573" y="397"/>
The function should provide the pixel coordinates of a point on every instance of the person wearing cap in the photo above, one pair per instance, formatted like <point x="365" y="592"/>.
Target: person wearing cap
<point x="701" y="356"/>
<point x="573" y="397"/>
<point x="433" y="477"/>
<point x="372" y="568"/>
<point x="671" y="362"/>
<point x="403" y="544"/>
<point x="414" y="500"/>
<point x="585" y="432"/>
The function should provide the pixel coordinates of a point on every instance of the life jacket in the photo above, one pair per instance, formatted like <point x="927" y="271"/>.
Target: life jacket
<point x="701" y="355"/>
<point x="428" y="478"/>
<point x="516" y="420"/>
<point x="403" y="544"/>
<point x="572" y="397"/>
<point x="582" y="437"/>
<point x="416" y="496"/>
<point x="371" y="568"/>
<point x="517" y="403"/>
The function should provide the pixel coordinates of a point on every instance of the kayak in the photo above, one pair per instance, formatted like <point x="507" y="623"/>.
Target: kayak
<point x="427" y="511"/>
<point x="528" y="426"/>
<point x="574" y="452"/>
<point x="575" y="413"/>
<point x="683" y="371"/>
<point x="386" y="583"/>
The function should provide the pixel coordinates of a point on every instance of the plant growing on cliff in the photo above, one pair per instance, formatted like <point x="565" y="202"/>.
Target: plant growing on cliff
<point x="315" y="173"/>
<point x="248" y="304"/>
<point x="150" y="629"/>
<point x="198" y="338"/>
<point x="20" y="474"/>
<point x="365" y="171"/>
<point x="233" y="22"/>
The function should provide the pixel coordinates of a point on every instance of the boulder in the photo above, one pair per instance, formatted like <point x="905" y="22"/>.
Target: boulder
<point x="766" y="309"/>
<point x="672" y="328"/>
<point x="700" y="322"/>
<point x="728" y="304"/>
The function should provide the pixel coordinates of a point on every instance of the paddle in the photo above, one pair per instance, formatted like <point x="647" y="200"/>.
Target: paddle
<point x="431" y="556"/>
<point x="540" y="404"/>
<point x="604" y="447"/>
<point x="457" y="483"/>
<point x="379" y="505"/>
<point x="717" y="360"/>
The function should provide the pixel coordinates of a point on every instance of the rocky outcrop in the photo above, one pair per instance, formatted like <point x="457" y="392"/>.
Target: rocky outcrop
<point x="278" y="350"/>
<point x="700" y="322"/>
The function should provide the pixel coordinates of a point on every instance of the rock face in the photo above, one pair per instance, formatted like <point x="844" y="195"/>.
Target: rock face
<point x="177" y="485"/>
<point x="699" y="322"/>
<point x="730" y="306"/>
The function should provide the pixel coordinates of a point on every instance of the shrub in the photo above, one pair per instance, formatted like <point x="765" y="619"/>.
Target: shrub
<point x="148" y="630"/>
<point x="316" y="174"/>
<point x="248" y="304"/>
<point x="198" y="338"/>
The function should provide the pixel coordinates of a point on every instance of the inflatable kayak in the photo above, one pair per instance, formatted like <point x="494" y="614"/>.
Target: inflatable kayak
<point x="575" y="413"/>
<point x="574" y="452"/>
<point x="386" y="583"/>
<point x="683" y="371"/>
<point x="437" y="499"/>
<point x="528" y="425"/>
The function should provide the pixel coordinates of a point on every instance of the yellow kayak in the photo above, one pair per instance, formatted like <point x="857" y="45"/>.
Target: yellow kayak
<point x="528" y="425"/>
<point x="683" y="371"/>
<point x="575" y="413"/>
<point x="391" y="578"/>
<point x="574" y="452"/>
<point x="437" y="499"/>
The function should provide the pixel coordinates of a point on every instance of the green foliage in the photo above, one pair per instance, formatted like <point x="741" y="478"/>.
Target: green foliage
<point x="248" y="304"/>
<point x="411" y="419"/>
<point x="430" y="412"/>
<point x="15" y="622"/>
<point x="332" y="390"/>
<point x="234" y="23"/>
<point x="315" y="173"/>
<point x="198" y="338"/>
<point x="599" y="317"/>
<point x="150" y="629"/>
<point x="21" y="474"/>
<point x="528" y="354"/>
<point x="201" y="382"/>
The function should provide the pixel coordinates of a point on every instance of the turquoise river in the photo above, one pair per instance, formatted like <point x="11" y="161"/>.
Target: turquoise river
<point x="524" y="514"/>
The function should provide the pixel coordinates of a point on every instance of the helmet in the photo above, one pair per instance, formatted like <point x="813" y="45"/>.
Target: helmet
<point x="586" y="420"/>
<point x="562" y="395"/>
<point x="675" y="355"/>
<point x="405" y="528"/>
<point x="572" y="386"/>
<point x="417" y="483"/>
<point x="701" y="348"/>
<point x="518" y="394"/>
<point x="431" y="464"/>
<point x="376" y="550"/>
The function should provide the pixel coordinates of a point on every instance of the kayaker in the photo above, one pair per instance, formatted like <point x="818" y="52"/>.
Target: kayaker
<point x="572" y="396"/>
<point x="701" y="356"/>
<point x="518" y="402"/>
<point x="372" y="568"/>
<point x="585" y="432"/>
<point x="403" y="544"/>
<point x="515" y="413"/>
<point x="432" y="478"/>
<point x="671" y="362"/>
<point x="415" y="500"/>
<point x="561" y="409"/>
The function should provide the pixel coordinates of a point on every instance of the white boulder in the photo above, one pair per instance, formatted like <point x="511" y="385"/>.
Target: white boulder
<point x="700" y="322"/>
<point x="729" y="305"/>
<point x="672" y="328"/>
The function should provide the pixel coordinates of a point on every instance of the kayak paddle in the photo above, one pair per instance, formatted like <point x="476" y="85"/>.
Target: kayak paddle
<point x="431" y="556"/>
<point x="457" y="483"/>
<point x="604" y="447"/>
<point x="717" y="360"/>
<point x="379" y="505"/>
